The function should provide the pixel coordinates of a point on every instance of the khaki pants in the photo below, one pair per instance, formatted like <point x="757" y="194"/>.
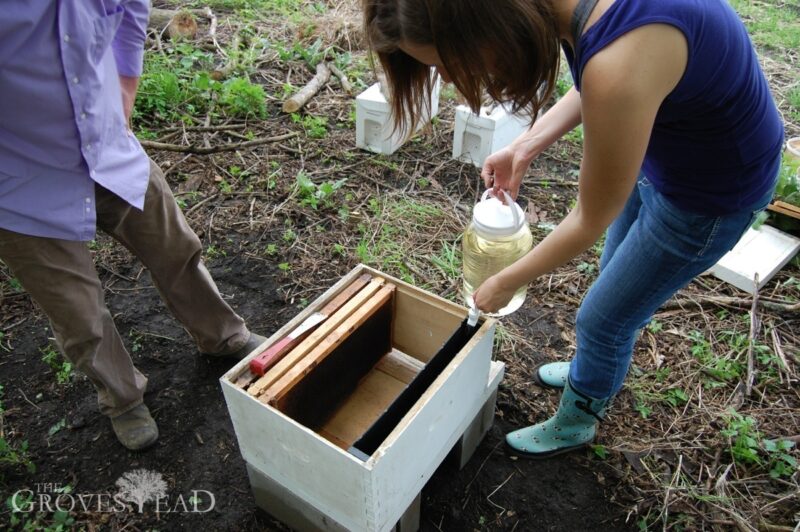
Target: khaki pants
<point x="60" y="276"/>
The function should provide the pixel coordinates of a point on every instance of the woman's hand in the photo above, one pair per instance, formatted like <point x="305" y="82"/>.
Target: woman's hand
<point x="493" y="294"/>
<point x="505" y="169"/>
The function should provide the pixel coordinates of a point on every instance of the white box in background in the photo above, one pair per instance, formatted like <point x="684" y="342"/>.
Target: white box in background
<point x="374" y="126"/>
<point x="475" y="137"/>
<point x="763" y="251"/>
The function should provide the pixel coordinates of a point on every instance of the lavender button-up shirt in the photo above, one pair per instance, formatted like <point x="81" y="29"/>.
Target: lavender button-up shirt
<point x="62" y="128"/>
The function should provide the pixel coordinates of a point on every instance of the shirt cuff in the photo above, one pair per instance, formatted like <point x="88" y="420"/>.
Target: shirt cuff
<point x="129" y="61"/>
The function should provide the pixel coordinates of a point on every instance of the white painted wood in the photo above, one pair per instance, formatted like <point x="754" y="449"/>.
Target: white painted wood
<point x="308" y="465"/>
<point x="764" y="251"/>
<point x="374" y="126"/>
<point x="476" y="136"/>
<point x="371" y="495"/>
<point x="415" y="449"/>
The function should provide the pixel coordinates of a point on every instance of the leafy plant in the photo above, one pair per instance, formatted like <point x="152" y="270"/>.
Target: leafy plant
<point x="314" y="195"/>
<point x="747" y="445"/>
<point x="720" y="368"/>
<point x="52" y="358"/>
<point x="213" y="252"/>
<point x="743" y="438"/>
<point x="12" y="455"/>
<point x="315" y="127"/>
<point x="788" y="188"/>
<point x="241" y="98"/>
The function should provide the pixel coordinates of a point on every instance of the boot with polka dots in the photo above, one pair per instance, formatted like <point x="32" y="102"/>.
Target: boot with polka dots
<point x="551" y="375"/>
<point x="571" y="428"/>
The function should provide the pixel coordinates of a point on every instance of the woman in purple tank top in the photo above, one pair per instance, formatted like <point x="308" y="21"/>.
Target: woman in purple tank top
<point x="681" y="151"/>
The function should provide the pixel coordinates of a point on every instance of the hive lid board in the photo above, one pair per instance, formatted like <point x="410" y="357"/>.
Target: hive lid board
<point x="763" y="251"/>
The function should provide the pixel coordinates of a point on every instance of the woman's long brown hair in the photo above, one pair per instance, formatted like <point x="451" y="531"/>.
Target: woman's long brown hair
<point x="507" y="48"/>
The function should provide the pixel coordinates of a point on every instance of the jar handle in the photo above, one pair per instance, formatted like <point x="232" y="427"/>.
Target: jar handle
<point x="509" y="202"/>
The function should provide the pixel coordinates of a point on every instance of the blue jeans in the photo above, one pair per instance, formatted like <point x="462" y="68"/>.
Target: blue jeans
<point x="651" y="251"/>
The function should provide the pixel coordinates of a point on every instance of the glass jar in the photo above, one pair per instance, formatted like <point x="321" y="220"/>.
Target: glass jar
<point x="497" y="236"/>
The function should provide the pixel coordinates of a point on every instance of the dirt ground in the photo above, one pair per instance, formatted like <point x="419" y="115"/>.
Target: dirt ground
<point x="197" y="449"/>
<point x="663" y="459"/>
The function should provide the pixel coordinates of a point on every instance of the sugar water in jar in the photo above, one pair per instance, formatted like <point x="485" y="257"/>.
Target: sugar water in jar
<point x="497" y="236"/>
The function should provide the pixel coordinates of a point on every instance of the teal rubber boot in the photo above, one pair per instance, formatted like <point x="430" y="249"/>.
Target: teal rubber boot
<point x="573" y="427"/>
<point x="551" y="375"/>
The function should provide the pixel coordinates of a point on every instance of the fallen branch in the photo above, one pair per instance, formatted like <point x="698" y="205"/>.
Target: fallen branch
<point x="345" y="83"/>
<point x="715" y="301"/>
<point x="299" y="99"/>
<point x="751" y="340"/>
<point x="201" y="150"/>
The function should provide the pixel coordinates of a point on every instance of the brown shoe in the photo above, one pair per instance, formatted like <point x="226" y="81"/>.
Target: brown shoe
<point x="254" y="341"/>
<point x="135" y="429"/>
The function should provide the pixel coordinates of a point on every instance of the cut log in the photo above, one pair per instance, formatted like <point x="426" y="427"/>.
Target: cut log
<point x="180" y="24"/>
<point x="301" y="98"/>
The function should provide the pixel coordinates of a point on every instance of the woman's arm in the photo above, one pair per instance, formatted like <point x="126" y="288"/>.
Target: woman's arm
<point x="506" y="168"/>
<point x="623" y="87"/>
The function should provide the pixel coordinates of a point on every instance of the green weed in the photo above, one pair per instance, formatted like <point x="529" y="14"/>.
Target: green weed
<point x="316" y="127"/>
<point x="746" y="446"/>
<point x="314" y="195"/>
<point x="576" y="135"/>
<point x="62" y="368"/>
<point x="176" y="85"/>
<point x="243" y="99"/>
<point x="719" y="368"/>
<point x="448" y="261"/>
<point x="213" y="252"/>
<point x="11" y="455"/>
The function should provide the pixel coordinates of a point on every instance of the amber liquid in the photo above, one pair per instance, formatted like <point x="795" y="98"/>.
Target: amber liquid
<point x="485" y="257"/>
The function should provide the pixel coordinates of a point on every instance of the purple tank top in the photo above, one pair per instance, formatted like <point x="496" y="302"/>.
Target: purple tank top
<point x="717" y="138"/>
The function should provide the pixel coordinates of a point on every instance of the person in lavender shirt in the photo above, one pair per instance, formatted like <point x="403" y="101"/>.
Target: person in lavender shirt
<point x="69" y="164"/>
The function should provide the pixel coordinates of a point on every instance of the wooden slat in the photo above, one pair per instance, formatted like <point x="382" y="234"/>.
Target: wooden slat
<point x="303" y="366"/>
<point x="400" y="365"/>
<point x="785" y="208"/>
<point x="274" y="353"/>
<point x="329" y="325"/>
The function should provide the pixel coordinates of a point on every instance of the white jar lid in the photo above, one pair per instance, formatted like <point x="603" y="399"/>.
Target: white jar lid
<point x="494" y="219"/>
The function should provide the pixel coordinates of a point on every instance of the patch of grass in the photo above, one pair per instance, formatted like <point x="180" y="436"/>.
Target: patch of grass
<point x="448" y="260"/>
<point x="177" y="85"/>
<point x="770" y="25"/>
<point x="576" y="135"/>
<point x="213" y="252"/>
<point x="22" y="518"/>
<point x="385" y="246"/>
<point x="311" y="54"/>
<point x="788" y="188"/>
<point x="243" y="99"/>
